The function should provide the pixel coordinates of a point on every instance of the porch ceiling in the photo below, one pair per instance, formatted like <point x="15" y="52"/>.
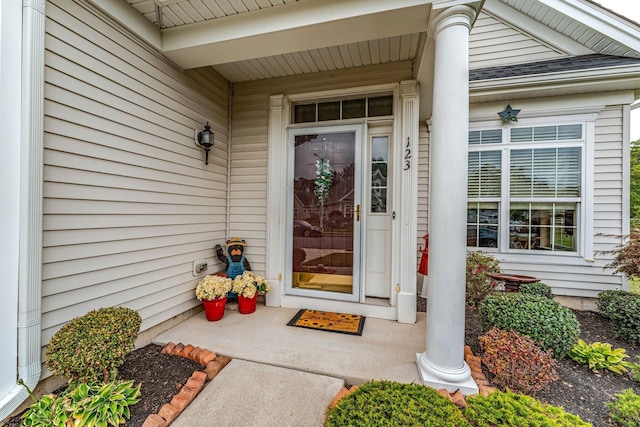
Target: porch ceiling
<point x="247" y="40"/>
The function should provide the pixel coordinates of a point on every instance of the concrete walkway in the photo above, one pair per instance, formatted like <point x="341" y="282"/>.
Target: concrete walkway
<point x="290" y="375"/>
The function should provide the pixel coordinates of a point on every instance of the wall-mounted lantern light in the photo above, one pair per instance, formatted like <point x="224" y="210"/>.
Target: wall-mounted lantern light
<point x="205" y="139"/>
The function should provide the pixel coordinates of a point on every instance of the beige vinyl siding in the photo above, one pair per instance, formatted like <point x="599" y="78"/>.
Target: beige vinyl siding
<point x="587" y="279"/>
<point x="248" y="180"/>
<point x="128" y="201"/>
<point x="423" y="187"/>
<point x="492" y="42"/>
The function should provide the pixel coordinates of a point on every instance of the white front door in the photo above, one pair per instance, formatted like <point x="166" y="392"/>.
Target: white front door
<point x="324" y="212"/>
<point x="379" y="214"/>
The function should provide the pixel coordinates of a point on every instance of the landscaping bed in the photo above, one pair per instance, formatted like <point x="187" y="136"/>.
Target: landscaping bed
<point x="579" y="390"/>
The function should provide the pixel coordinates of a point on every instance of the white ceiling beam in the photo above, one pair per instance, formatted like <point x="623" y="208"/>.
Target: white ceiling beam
<point x="122" y="12"/>
<point x="303" y="25"/>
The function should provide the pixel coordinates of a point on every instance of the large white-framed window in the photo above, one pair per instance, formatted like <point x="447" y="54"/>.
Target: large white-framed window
<point x="526" y="187"/>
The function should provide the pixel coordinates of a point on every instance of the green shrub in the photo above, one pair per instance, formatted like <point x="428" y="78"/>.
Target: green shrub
<point x="623" y="311"/>
<point x="600" y="356"/>
<point x="92" y="347"/>
<point x="516" y="361"/>
<point x="542" y="319"/>
<point x="479" y="285"/>
<point x="87" y="405"/>
<point x="507" y="409"/>
<point x="537" y="288"/>
<point x="386" y="403"/>
<point x="625" y="409"/>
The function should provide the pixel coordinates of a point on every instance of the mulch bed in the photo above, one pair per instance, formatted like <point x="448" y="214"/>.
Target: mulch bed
<point x="579" y="390"/>
<point x="161" y="375"/>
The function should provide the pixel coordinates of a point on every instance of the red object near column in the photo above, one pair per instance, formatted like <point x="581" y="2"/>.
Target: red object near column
<point x="424" y="261"/>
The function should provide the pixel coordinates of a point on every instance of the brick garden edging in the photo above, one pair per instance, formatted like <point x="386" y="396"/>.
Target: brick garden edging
<point x="458" y="398"/>
<point x="212" y="365"/>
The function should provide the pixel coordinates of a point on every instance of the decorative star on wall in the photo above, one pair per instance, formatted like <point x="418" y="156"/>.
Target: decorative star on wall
<point x="509" y="114"/>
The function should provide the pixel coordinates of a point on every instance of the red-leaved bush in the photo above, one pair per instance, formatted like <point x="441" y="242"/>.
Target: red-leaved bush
<point x="517" y="362"/>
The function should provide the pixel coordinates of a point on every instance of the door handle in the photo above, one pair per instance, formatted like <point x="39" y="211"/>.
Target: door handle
<point x="357" y="212"/>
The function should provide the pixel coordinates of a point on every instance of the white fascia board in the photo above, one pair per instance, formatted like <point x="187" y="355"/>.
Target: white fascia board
<point x="598" y="76"/>
<point x="307" y="24"/>
<point x="608" y="24"/>
<point x="535" y="28"/>
<point x="131" y="19"/>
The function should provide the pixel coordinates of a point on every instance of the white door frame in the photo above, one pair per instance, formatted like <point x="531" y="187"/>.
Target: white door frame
<point x="403" y="294"/>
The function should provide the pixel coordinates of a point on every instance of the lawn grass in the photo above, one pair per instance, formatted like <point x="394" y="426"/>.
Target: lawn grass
<point x="634" y="285"/>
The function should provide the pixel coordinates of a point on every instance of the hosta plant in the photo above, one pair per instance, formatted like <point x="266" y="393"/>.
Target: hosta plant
<point x="97" y="405"/>
<point x="516" y="361"/>
<point x="86" y="405"/>
<point x="634" y="370"/>
<point x="600" y="356"/>
<point x="625" y="409"/>
<point x="49" y="411"/>
<point x="90" y="348"/>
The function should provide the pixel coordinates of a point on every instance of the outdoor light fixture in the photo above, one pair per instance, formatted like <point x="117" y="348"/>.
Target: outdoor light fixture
<point x="205" y="139"/>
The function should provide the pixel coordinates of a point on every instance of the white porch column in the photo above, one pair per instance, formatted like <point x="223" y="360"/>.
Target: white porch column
<point x="442" y="365"/>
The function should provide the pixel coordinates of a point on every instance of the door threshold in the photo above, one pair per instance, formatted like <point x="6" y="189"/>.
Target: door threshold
<point x="382" y="302"/>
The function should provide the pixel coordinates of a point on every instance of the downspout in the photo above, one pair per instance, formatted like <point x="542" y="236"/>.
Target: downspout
<point x="229" y="117"/>
<point x="30" y="233"/>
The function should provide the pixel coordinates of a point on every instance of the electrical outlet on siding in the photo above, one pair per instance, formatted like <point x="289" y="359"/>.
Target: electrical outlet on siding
<point x="199" y="267"/>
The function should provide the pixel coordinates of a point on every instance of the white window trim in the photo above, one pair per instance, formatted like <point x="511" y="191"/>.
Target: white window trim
<point x="585" y="213"/>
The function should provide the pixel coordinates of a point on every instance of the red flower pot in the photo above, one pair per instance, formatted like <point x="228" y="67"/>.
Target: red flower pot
<point x="214" y="309"/>
<point x="247" y="305"/>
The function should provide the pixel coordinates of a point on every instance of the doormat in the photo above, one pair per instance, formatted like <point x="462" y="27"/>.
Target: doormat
<point x="351" y="324"/>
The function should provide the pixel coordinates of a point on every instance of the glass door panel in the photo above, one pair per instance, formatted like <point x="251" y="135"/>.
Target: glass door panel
<point x="326" y="210"/>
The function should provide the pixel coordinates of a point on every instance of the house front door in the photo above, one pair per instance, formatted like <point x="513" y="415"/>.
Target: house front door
<point x="325" y="212"/>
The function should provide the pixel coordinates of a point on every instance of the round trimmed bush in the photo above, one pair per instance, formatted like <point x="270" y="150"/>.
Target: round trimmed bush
<point x="622" y="309"/>
<point x="509" y="409"/>
<point x="537" y="288"/>
<point x="386" y="403"/>
<point x="552" y="325"/>
<point x="90" y="348"/>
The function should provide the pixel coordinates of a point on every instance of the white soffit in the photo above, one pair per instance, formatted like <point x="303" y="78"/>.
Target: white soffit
<point x="582" y="21"/>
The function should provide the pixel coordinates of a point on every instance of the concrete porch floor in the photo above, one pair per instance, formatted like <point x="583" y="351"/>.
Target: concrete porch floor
<point x="386" y="350"/>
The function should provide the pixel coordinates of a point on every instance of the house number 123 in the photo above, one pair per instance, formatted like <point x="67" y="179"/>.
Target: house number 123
<point x="407" y="155"/>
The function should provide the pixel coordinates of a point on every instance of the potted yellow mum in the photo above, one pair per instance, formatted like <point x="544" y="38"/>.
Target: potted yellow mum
<point x="248" y="286"/>
<point x="212" y="291"/>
